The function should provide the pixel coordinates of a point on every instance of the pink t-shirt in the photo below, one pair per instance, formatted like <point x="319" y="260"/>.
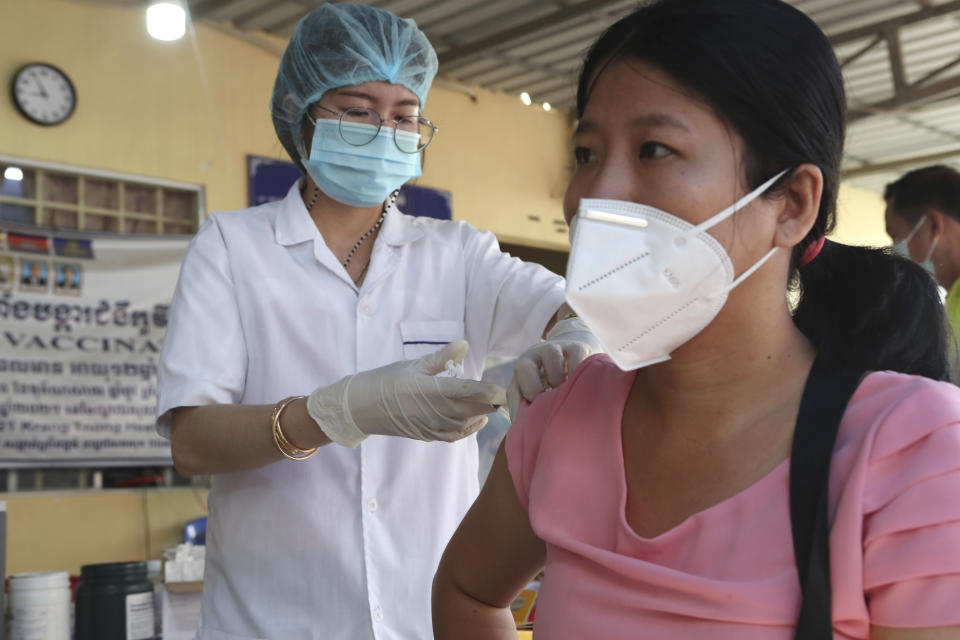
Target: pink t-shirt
<point x="728" y="572"/>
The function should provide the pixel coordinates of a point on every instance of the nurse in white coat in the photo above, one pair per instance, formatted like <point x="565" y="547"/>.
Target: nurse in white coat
<point x="338" y="477"/>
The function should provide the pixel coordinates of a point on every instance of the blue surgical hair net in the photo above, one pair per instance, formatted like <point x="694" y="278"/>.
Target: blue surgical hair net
<point x="337" y="45"/>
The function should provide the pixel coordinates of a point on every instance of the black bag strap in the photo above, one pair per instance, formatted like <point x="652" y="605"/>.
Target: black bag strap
<point x="825" y="397"/>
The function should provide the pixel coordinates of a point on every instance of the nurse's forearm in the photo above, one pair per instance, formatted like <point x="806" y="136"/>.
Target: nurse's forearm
<point x="224" y="438"/>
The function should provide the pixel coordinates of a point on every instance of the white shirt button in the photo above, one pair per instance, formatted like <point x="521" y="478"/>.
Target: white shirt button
<point x="366" y="309"/>
<point x="378" y="614"/>
<point x="372" y="504"/>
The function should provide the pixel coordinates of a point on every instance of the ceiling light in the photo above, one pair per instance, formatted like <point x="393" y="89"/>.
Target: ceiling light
<point x="546" y="106"/>
<point x="166" y="21"/>
<point x="525" y="98"/>
<point x="13" y="173"/>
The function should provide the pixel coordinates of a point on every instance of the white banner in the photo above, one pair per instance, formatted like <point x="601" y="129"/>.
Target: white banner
<point x="82" y="320"/>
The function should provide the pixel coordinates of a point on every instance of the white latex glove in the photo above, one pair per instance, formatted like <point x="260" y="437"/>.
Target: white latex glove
<point x="547" y="364"/>
<point x="406" y="399"/>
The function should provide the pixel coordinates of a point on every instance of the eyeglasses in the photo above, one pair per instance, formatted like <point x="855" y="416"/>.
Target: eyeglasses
<point x="410" y="134"/>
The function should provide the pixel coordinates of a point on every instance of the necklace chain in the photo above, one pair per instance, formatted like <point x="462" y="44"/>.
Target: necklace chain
<point x="371" y="230"/>
<point x="376" y="225"/>
<point x="313" y="200"/>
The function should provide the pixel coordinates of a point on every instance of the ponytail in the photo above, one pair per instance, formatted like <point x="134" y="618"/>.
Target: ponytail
<point x="868" y="309"/>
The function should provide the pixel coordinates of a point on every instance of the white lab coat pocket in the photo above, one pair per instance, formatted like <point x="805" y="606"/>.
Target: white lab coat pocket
<point x="421" y="338"/>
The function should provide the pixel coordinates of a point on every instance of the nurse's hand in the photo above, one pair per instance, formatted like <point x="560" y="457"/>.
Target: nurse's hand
<point x="549" y="363"/>
<point x="406" y="399"/>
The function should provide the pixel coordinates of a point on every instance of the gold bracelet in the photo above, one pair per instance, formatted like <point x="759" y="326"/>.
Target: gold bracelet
<point x="285" y="446"/>
<point x="279" y="438"/>
<point x="572" y="314"/>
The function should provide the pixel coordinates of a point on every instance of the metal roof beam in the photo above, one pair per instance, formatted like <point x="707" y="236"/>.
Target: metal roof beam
<point x="539" y="87"/>
<point x="504" y="72"/>
<point x="862" y="52"/>
<point x="525" y="67"/>
<point x="526" y="29"/>
<point x="938" y="71"/>
<point x="289" y="21"/>
<point x="904" y="93"/>
<point x="849" y="156"/>
<point x="897" y="164"/>
<point x="244" y="20"/>
<point x="283" y="29"/>
<point x="251" y="38"/>
<point x="865" y="31"/>
<point x="895" y="50"/>
<point x="556" y="94"/>
<point x="910" y="96"/>
<point x="203" y="8"/>
<point x="486" y="24"/>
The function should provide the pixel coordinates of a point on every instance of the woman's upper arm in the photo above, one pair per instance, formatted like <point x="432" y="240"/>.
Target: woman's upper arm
<point x="494" y="552"/>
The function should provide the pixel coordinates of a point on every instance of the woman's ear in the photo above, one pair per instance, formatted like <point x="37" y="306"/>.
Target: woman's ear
<point x="937" y="223"/>
<point x="800" y="205"/>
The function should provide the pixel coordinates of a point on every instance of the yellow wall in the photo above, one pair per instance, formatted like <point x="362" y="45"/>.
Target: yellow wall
<point x="56" y="531"/>
<point x="860" y="218"/>
<point x="503" y="162"/>
<point x="143" y="109"/>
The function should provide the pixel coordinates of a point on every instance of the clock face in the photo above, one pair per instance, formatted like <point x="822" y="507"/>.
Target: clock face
<point x="43" y="93"/>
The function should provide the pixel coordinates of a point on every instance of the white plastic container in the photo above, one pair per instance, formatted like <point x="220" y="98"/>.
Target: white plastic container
<point x="40" y="606"/>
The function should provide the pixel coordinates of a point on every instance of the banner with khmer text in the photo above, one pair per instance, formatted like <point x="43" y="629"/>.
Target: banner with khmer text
<point x="82" y="320"/>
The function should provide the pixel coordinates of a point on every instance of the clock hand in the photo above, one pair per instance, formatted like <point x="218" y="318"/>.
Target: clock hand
<point x="43" y="91"/>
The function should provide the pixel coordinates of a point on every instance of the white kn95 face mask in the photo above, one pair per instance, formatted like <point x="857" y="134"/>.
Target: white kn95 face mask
<point x="645" y="281"/>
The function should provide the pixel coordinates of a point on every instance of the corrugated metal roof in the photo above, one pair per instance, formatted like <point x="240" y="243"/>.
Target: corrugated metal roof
<point x="901" y="60"/>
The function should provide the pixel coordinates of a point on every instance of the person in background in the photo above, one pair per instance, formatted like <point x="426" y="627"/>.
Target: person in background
<point x="34" y="274"/>
<point x="923" y="220"/>
<point x="657" y="486"/>
<point x="308" y="361"/>
<point x="68" y="277"/>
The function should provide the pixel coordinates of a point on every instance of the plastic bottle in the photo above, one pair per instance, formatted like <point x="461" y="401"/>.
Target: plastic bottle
<point x="40" y="606"/>
<point x="115" y="602"/>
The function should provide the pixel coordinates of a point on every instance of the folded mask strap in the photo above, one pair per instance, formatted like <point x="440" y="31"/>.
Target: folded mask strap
<point x="746" y="274"/>
<point x="933" y="246"/>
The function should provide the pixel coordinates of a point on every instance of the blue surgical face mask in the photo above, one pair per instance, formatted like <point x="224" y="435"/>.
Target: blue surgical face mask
<point x="359" y="176"/>
<point x="901" y="249"/>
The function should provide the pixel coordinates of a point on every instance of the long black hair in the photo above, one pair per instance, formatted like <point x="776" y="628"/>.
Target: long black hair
<point x="770" y="73"/>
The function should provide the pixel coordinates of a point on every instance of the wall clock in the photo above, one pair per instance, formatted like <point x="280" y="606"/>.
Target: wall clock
<point x="43" y="93"/>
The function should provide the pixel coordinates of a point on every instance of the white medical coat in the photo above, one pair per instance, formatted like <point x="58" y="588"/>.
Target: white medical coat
<point x="343" y="545"/>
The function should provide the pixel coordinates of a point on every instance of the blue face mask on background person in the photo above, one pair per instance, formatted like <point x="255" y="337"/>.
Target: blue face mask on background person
<point x="359" y="176"/>
<point x="901" y="249"/>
